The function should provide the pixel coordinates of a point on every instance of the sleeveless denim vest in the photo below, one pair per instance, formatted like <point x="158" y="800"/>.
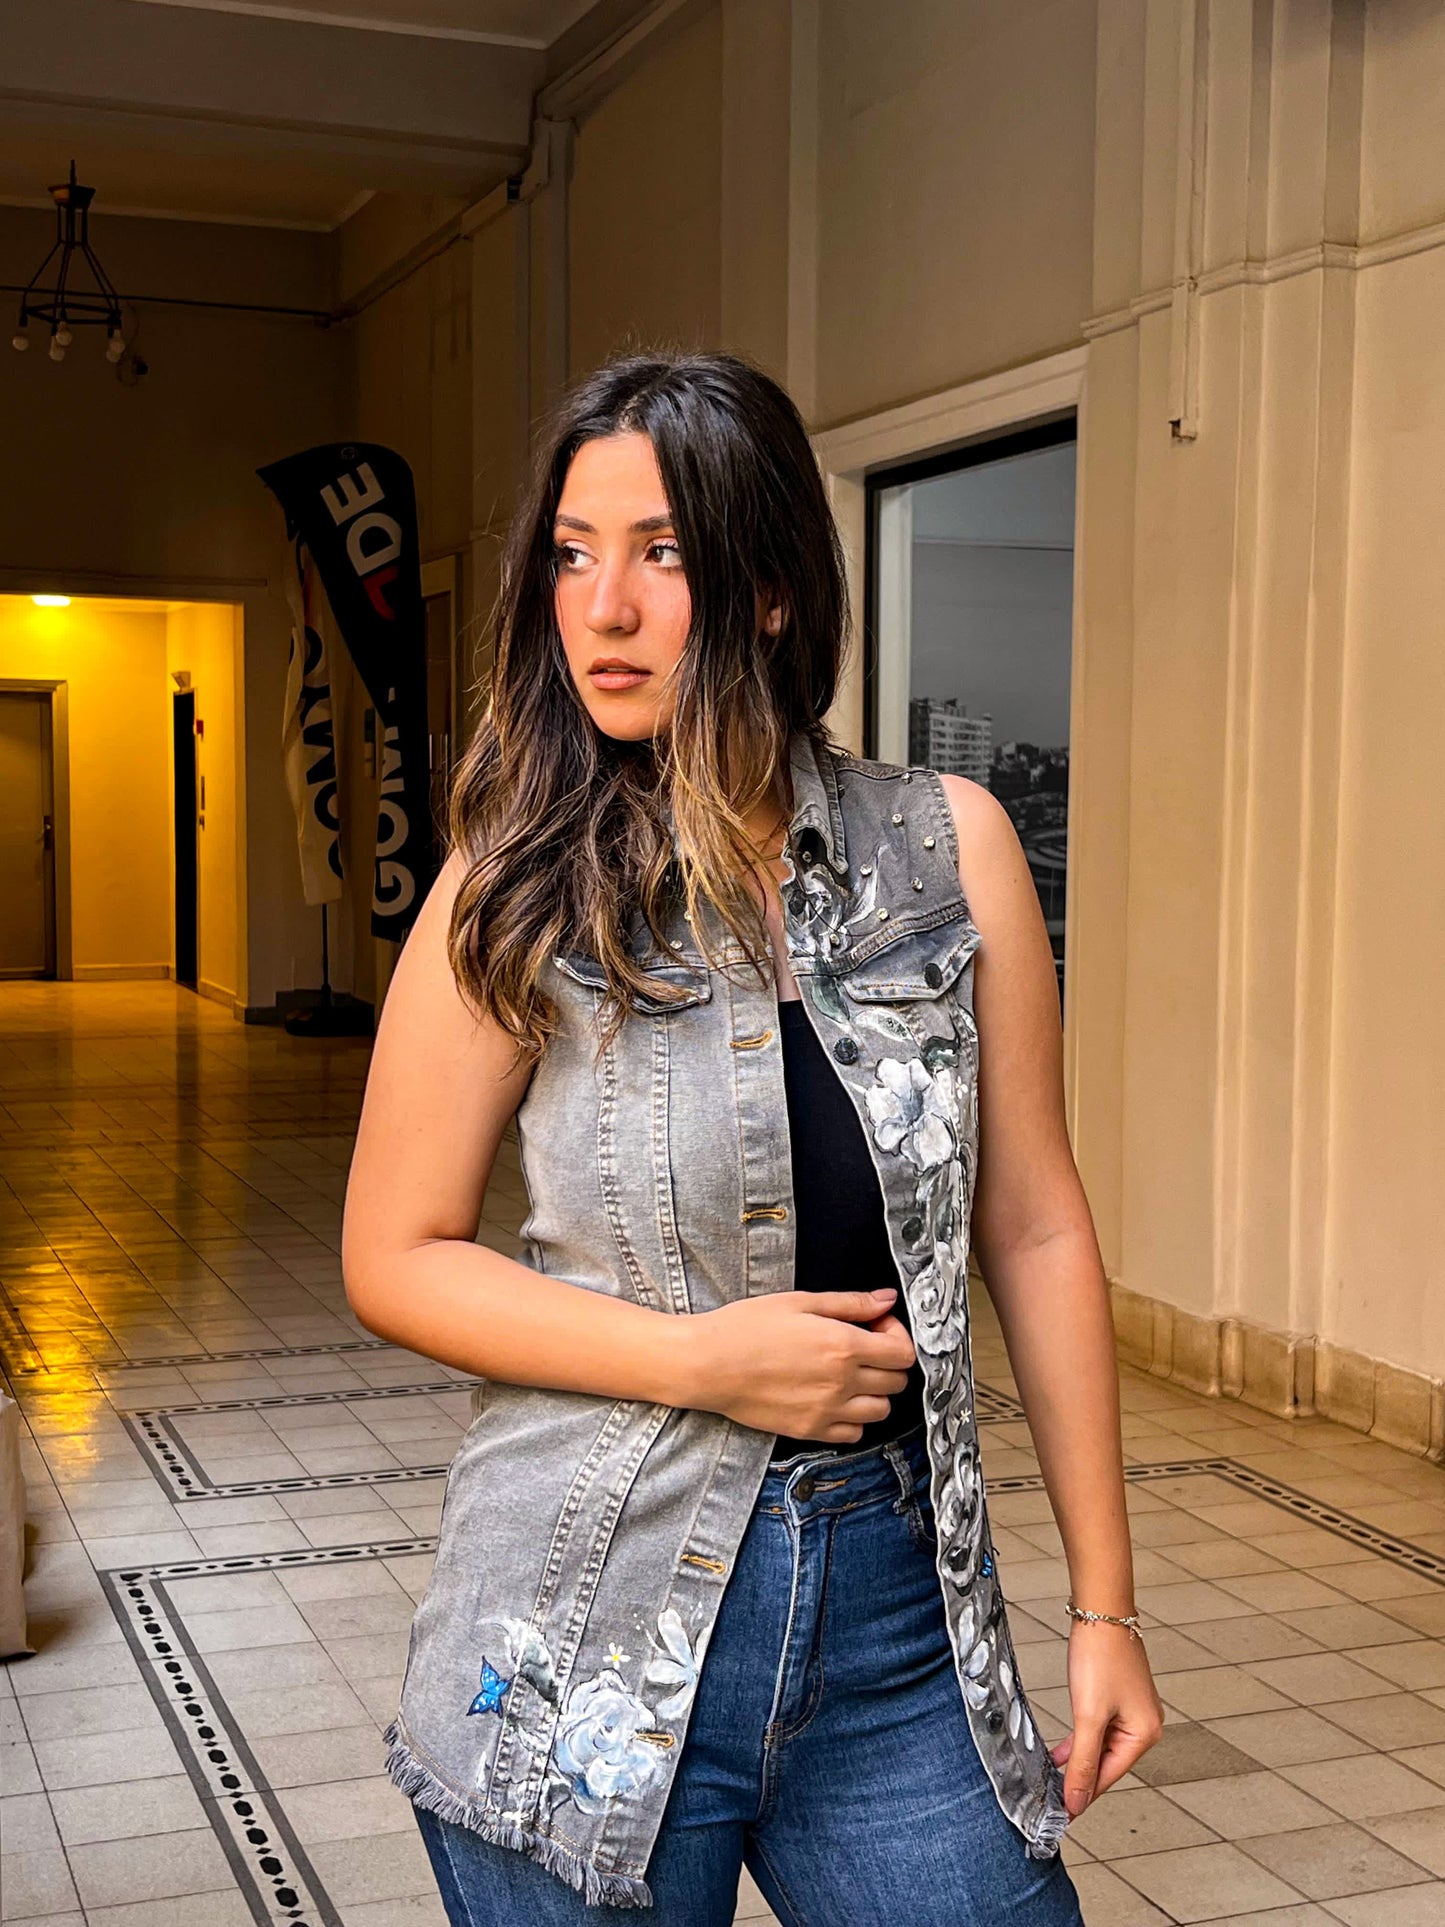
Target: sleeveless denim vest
<point x="586" y="1542"/>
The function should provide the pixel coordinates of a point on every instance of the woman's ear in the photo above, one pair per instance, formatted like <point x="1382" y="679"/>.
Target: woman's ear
<point x="773" y="620"/>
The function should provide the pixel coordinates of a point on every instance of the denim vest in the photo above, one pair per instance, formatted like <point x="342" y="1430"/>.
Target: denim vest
<point x="586" y="1542"/>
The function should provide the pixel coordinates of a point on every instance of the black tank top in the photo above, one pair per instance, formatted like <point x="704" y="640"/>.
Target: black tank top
<point x="841" y="1231"/>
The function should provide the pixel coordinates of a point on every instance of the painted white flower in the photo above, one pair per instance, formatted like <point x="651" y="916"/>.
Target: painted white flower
<point x="679" y="1667"/>
<point x="600" y="1749"/>
<point x="936" y="1302"/>
<point x="615" y="1656"/>
<point x="912" y="1109"/>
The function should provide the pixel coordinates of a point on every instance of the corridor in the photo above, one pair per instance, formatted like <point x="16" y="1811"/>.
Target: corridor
<point x="234" y="1492"/>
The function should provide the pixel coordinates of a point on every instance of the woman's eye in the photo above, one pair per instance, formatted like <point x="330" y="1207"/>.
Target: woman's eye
<point x="567" y="555"/>
<point x="667" y="553"/>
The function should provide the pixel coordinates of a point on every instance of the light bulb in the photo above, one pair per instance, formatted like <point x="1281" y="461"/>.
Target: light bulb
<point x="115" y="347"/>
<point x="56" y="350"/>
<point x="20" y="342"/>
<point x="63" y="335"/>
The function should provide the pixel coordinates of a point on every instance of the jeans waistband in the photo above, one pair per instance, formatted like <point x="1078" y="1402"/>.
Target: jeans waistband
<point x="843" y="1478"/>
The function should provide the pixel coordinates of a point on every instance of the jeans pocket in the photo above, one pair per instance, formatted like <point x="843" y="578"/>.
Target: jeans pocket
<point x="922" y="1526"/>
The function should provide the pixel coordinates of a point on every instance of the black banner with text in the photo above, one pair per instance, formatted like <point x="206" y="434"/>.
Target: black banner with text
<point x="354" y="506"/>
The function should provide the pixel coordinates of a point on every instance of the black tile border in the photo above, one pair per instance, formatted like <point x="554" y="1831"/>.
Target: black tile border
<point x="182" y="1359"/>
<point x="175" y="1467"/>
<point x="273" y="1870"/>
<point x="268" y="1860"/>
<point x="1259" y="1485"/>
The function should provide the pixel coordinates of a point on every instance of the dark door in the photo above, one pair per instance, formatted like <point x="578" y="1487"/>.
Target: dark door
<point x="184" y="756"/>
<point x="27" y="856"/>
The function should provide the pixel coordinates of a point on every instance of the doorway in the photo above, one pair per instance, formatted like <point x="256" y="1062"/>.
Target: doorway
<point x="27" y="834"/>
<point x="187" y="897"/>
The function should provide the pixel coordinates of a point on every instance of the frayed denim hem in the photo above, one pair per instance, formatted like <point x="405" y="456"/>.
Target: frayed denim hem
<point x="425" y="1789"/>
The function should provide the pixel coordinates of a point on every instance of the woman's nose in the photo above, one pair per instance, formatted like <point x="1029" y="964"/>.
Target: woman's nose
<point x="612" y="605"/>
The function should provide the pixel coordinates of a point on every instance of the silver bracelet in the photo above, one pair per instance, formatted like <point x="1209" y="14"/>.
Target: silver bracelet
<point x="1127" y="1620"/>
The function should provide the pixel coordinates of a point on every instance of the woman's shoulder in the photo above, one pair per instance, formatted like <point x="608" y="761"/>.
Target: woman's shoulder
<point x="992" y="867"/>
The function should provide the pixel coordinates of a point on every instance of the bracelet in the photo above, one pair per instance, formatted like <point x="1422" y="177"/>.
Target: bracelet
<point x="1128" y="1620"/>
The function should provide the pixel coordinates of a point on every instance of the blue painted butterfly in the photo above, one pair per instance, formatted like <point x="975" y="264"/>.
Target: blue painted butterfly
<point x="987" y="1566"/>
<point x="494" y="1688"/>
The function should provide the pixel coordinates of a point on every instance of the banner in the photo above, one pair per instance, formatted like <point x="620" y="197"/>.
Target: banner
<point x="354" y="506"/>
<point x="308" y="739"/>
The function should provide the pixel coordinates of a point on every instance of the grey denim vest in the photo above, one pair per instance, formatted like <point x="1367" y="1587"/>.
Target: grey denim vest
<point x="586" y="1542"/>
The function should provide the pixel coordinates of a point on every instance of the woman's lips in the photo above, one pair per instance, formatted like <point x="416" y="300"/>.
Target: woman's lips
<point x="618" y="677"/>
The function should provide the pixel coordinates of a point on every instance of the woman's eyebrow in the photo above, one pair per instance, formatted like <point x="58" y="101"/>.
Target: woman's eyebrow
<point x="649" y="525"/>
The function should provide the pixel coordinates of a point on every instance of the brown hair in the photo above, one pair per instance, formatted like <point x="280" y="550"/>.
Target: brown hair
<point x="568" y="833"/>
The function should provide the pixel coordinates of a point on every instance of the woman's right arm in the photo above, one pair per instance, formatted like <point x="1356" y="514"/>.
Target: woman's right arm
<point x="442" y="1086"/>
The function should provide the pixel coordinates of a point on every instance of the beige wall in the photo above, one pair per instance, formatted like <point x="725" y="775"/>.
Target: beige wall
<point x="646" y="206"/>
<point x="113" y="664"/>
<point x="1259" y="1114"/>
<point x="954" y="192"/>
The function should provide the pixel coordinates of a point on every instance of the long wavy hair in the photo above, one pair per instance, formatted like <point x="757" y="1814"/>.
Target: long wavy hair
<point x="570" y="836"/>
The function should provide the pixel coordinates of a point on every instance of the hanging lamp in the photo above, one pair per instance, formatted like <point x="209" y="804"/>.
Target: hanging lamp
<point x="79" y="293"/>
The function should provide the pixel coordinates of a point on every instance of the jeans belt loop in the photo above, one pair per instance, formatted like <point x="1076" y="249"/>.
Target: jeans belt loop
<point x="902" y="1471"/>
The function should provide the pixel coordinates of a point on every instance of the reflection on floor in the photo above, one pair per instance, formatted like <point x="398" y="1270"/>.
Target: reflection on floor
<point x="235" y="1491"/>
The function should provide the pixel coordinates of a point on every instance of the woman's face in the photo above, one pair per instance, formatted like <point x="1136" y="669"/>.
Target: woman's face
<point x="623" y="606"/>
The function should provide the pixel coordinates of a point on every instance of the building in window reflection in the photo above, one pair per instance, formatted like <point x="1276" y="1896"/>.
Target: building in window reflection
<point x="944" y="737"/>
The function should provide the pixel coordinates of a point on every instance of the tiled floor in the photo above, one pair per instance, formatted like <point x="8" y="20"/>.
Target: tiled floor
<point x="233" y="1492"/>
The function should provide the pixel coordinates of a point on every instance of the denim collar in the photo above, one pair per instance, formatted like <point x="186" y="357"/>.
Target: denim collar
<point x="816" y="805"/>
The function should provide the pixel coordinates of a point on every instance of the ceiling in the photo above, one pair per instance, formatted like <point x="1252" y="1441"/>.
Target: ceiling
<point x="277" y="114"/>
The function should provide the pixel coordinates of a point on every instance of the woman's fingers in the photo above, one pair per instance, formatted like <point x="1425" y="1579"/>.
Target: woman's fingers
<point x="1121" y="1749"/>
<point x="865" y="1408"/>
<point x="858" y="1306"/>
<point x="878" y="1379"/>
<point x="1080" y="1755"/>
<point x="1100" y="1750"/>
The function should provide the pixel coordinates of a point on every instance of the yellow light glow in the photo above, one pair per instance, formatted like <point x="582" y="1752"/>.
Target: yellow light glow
<point x="51" y="601"/>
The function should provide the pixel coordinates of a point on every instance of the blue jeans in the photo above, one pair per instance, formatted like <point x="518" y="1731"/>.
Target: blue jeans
<point x="828" y="1749"/>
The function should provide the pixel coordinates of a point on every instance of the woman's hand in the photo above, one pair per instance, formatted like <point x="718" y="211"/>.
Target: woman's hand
<point x="1117" y="1715"/>
<point x="808" y="1364"/>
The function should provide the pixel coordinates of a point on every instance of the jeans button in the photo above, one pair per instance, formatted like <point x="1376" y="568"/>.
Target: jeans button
<point x="803" y="1489"/>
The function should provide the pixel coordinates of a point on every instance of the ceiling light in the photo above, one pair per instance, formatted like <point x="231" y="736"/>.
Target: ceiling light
<point x="51" y="601"/>
<point x="78" y="292"/>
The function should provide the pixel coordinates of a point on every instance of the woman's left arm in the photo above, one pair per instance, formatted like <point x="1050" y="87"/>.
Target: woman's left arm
<point x="1036" y="1247"/>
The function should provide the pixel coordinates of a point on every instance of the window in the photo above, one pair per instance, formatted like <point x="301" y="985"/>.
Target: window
<point x="970" y="616"/>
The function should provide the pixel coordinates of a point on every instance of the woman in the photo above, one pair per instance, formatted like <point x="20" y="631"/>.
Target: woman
<point x="714" y="1582"/>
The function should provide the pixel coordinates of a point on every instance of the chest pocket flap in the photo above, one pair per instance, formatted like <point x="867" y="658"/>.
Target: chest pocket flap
<point x="914" y="964"/>
<point x="673" y="972"/>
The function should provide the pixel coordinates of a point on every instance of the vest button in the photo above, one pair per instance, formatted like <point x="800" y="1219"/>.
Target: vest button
<point x="797" y="902"/>
<point x="932" y="976"/>
<point x="846" y="1051"/>
<point x="912" y="1230"/>
<point x="993" y="1720"/>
